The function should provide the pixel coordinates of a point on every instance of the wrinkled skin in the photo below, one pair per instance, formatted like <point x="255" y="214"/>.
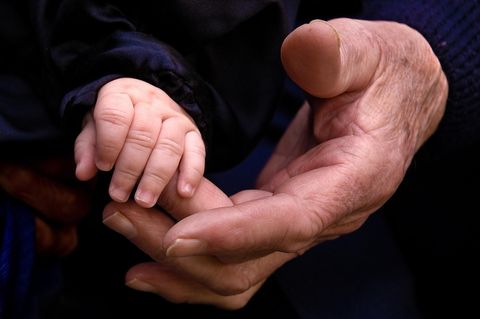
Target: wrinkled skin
<point x="377" y="93"/>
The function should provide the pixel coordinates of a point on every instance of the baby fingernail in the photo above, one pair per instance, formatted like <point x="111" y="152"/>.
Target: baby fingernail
<point x="118" y="195"/>
<point x="144" y="197"/>
<point x="103" y="165"/>
<point x="121" y="224"/>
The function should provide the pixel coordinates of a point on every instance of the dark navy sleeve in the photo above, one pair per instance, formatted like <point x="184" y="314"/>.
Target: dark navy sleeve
<point x="88" y="43"/>
<point x="452" y="28"/>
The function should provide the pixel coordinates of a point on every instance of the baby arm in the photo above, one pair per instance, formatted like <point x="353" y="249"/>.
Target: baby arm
<point x="140" y="132"/>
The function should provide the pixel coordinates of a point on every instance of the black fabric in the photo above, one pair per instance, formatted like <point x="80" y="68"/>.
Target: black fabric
<point x="186" y="49"/>
<point x="25" y="114"/>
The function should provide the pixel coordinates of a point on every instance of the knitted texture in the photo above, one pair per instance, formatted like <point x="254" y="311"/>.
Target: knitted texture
<point x="452" y="29"/>
<point x="17" y="253"/>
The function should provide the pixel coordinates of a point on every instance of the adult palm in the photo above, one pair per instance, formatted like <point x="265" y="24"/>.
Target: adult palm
<point x="377" y="92"/>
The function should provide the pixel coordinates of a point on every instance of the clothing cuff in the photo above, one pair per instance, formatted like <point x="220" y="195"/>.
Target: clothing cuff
<point x="135" y="55"/>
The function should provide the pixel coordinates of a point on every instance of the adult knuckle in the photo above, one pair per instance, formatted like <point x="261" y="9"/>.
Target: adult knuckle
<point x="317" y="215"/>
<point x="239" y="281"/>
<point x="158" y="253"/>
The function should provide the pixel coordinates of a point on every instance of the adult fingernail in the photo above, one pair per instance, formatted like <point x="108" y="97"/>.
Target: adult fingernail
<point x="121" y="224"/>
<point x="186" y="247"/>
<point x="140" y="285"/>
<point x="331" y="27"/>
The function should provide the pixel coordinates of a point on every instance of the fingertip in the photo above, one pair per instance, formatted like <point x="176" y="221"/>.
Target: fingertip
<point x="145" y="198"/>
<point x="117" y="194"/>
<point x="311" y="57"/>
<point x="139" y="285"/>
<point x="192" y="165"/>
<point x="185" y="190"/>
<point x="186" y="248"/>
<point x="85" y="171"/>
<point x="84" y="152"/>
<point x="330" y="28"/>
<point x="113" y="208"/>
<point x="103" y="165"/>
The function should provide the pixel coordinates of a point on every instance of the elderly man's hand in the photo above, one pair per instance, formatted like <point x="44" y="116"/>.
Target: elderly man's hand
<point x="197" y="279"/>
<point x="377" y="94"/>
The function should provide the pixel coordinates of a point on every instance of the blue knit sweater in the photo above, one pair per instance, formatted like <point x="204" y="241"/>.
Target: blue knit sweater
<point x="452" y="27"/>
<point x="16" y="258"/>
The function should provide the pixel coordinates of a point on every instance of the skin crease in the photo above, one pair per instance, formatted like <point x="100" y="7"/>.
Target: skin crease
<point x="167" y="277"/>
<point x="139" y="132"/>
<point x="377" y="93"/>
<point x="342" y="157"/>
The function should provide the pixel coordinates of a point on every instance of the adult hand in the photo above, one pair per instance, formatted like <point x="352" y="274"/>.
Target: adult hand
<point x="197" y="279"/>
<point x="377" y="93"/>
<point x="47" y="187"/>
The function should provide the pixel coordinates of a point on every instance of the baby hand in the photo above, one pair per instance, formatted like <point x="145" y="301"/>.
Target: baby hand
<point x="138" y="129"/>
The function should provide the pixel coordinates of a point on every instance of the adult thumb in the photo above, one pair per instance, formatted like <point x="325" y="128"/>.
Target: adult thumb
<point x="327" y="59"/>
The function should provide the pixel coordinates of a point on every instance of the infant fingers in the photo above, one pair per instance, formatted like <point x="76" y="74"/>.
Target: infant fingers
<point x="163" y="162"/>
<point x="85" y="151"/>
<point x="139" y="143"/>
<point x="192" y="165"/>
<point x="113" y="115"/>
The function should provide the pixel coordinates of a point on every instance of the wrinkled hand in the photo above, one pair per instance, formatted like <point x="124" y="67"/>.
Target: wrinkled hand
<point x="45" y="186"/>
<point x="377" y="94"/>
<point x="197" y="279"/>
